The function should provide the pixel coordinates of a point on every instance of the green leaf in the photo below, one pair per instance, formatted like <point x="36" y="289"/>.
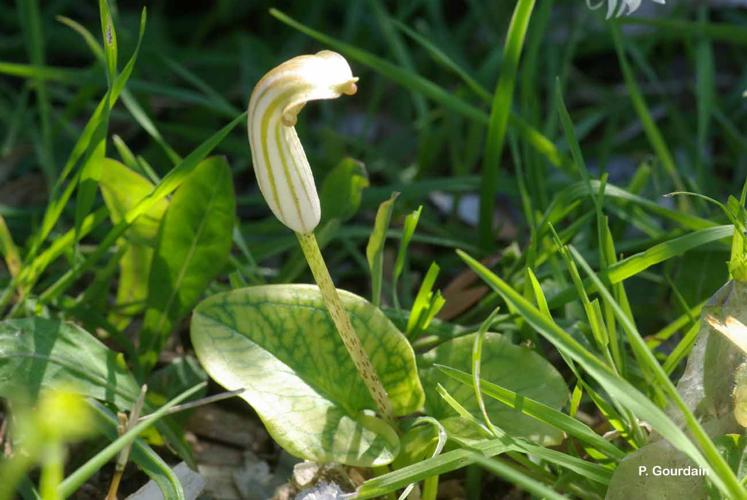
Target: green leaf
<point x="38" y="353"/>
<point x="122" y="190"/>
<point x="375" y="247"/>
<point x="342" y="189"/>
<point x="517" y="368"/>
<point x="193" y="244"/>
<point x="279" y="343"/>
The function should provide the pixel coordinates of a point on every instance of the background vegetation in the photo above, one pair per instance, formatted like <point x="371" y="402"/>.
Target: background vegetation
<point x="645" y="105"/>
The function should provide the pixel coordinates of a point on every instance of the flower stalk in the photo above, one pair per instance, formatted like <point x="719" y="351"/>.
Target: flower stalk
<point x="342" y="322"/>
<point x="287" y="183"/>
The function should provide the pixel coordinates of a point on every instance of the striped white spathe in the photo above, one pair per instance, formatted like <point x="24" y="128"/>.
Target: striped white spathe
<point x="283" y="172"/>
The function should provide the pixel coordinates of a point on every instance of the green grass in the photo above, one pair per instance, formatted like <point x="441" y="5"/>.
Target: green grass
<point x="566" y="128"/>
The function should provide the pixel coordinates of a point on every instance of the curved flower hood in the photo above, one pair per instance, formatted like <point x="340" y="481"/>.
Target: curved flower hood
<point x="280" y="164"/>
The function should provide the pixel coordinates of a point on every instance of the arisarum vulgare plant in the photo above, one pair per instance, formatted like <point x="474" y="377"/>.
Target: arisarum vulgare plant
<point x="287" y="183"/>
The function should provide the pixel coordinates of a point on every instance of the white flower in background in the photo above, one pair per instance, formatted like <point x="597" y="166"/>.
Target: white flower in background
<point x="617" y="8"/>
<point x="283" y="172"/>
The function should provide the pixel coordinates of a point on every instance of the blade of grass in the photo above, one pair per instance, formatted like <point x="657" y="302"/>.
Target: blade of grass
<point x="429" y="89"/>
<point x="446" y="462"/>
<point x="81" y="152"/>
<point x="705" y="93"/>
<point x="143" y="455"/>
<point x="128" y="99"/>
<point x="581" y="189"/>
<point x="33" y="270"/>
<point x="426" y="302"/>
<point x="90" y="170"/>
<point x="167" y="185"/>
<point x="499" y="114"/>
<point x="142" y="118"/>
<point x="589" y="470"/>
<point x="375" y="247"/>
<point x="683" y="348"/>
<point x="536" y="64"/>
<point x="91" y="42"/>
<point x="440" y="57"/>
<point x="639" y="262"/>
<point x="688" y="318"/>
<point x="683" y="29"/>
<point x="476" y="365"/>
<point x="723" y="476"/>
<point x="216" y="99"/>
<point x="15" y="122"/>
<point x="442" y="437"/>
<point x="8" y="249"/>
<point x="28" y="11"/>
<point x="620" y="418"/>
<point x="408" y="229"/>
<point x="620" y="389"/>
<point x="539" y="411"/>
<point x="93" y="465"/>
<point x="109" y="36"/>
<point x="516" y="477"/>
<point x="43" y="73"/>
<point x="400" y="52"/>
<point x="653" y="133"/>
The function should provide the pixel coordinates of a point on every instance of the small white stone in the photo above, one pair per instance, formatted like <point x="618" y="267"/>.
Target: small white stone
<point x="192" y="483"/>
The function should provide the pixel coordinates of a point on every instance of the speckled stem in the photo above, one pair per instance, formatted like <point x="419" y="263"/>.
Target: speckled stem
<point x="344" y="326"/>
